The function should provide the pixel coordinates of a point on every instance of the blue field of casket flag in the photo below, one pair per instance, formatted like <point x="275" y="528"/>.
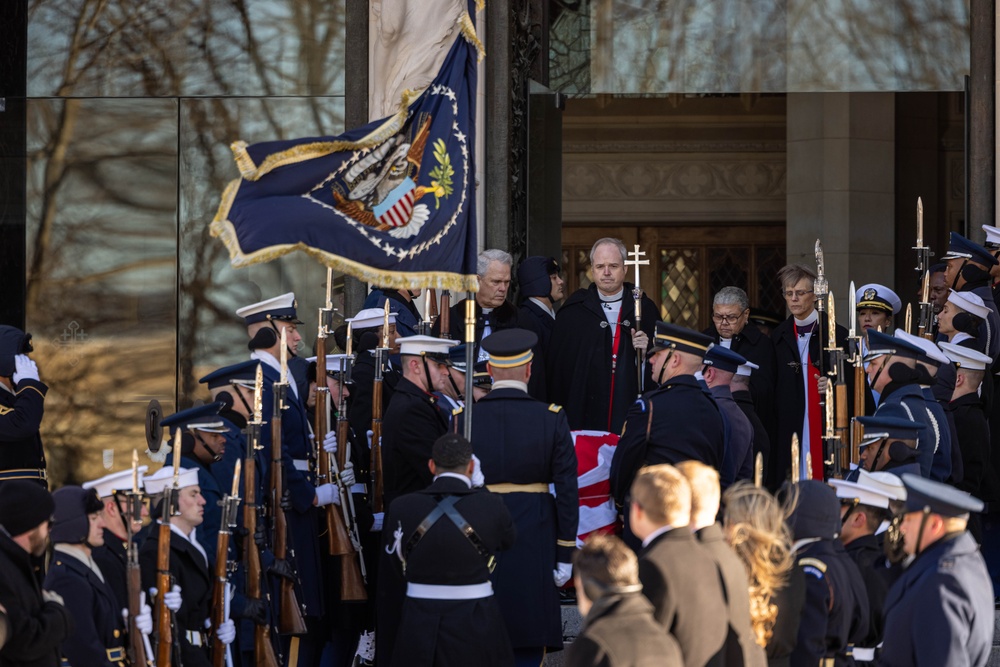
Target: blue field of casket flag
<point x="391" y="203"/>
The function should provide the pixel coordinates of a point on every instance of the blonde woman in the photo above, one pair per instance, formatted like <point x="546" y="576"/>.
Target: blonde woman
<point x="755" y="525"/>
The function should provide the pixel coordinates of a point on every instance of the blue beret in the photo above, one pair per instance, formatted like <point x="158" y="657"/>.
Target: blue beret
<point x="724" y="359"/>
<point x="926" y="495"/>
<point x="245" y="370"/>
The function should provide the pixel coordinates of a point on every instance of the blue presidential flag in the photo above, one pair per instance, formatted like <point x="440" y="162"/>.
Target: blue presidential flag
<point x="392" y="202"/>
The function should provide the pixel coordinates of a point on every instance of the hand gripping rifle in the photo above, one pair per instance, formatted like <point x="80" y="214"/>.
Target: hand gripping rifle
<point x="856" y="359"/>
<point x="220" y="587"/>
<point x="925" y="324"/>
<point x="140" y="652"/>
<point x="836" y="400"/>
<point x="338" y="543"/>
<point x="352" y="565"/>
<point x="164" y="579"/>
<point x="290" y="621"/>
<point x="378" y="487"/>
<point x="263" y="649"/>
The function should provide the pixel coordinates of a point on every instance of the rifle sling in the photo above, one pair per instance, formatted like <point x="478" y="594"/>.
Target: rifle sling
<point x="446" y="507"/>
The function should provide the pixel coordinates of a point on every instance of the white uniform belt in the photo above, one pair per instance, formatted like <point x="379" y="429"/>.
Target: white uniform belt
<point x="863" y="654"/>
<point x="301" y="464"/>
<point x="194" y="638"/>
<point x="359" y="488"/>
<point x="440" y="592"/>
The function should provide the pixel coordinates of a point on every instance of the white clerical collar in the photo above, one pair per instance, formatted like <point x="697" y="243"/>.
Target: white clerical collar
<point x="174" y="528"/>
<point x="656" y="533"/>
<point x="487" y="311"/>
<point x="78" y="553"/>
<point x="465" y="479"/>
<point x="544" y="306"/>
<point x="511" y="384"/>
<point x="798" y="544"/>
<point x="268" y="358"/>
<point x="617" y="296"/>
<point x="810" y="318"/>
<point x="726" y="342"/>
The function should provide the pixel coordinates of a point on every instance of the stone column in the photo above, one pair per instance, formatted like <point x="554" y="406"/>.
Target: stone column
<point x="982" y="118"/>
<point x="841" y="177"/>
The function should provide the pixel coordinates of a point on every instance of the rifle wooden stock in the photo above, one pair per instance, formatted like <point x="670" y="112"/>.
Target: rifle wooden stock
<point x="133" y="582"/>
<point x="378" y="487"/>
<point x="860" y="380"/>
<point x="219" y="595"/>
<point x="262" y="647"/>
<point x="445" y="314"/>
<point x="840" y="420"/>
<point x="433" y="303"/>
<point x="164" y="582"/>
<point x="338" y="542"/>
<point x="290" y="621"/>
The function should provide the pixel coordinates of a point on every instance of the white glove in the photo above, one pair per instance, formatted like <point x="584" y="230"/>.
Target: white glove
<point x="377" y="524"/>
<point x="52" y="596"/>
<point x="477" y="472"/>
<point x="172" y="599"/>
<point x="562" y="574"/>
<point x="226" y="632"/>
<point x="330" y="443"/>
<point x="326" y="494"/>
<point x="24" y="368"/>
<point x="347" y="475"/>
<point x="369" y="435"/>
<point x="144" y="619"/>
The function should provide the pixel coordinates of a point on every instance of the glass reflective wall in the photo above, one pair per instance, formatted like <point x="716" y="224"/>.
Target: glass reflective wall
<point x="132" y="109"/>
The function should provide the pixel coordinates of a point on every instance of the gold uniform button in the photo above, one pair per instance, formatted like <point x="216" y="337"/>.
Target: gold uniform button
<point x="117" y="633"/>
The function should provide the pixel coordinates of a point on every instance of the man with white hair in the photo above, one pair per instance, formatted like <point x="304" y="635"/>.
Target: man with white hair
<point x="493" y="311"/>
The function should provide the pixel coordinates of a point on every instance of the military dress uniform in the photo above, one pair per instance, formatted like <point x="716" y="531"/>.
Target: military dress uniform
<point x="450" y="617"/>
<point x="21" y="410"/>
<point x="738" y="461"/>
<point x="971" y="424"/>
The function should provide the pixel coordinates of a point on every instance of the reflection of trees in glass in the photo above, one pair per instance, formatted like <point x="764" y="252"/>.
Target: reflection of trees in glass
<point x="690" y="46"/>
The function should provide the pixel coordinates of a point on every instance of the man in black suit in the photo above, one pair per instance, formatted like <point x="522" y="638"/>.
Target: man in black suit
<point x="540" y="286"/>
<point x="443" y="540"/>
<point x="741" y="645"/>
<point x="677" y="573"/>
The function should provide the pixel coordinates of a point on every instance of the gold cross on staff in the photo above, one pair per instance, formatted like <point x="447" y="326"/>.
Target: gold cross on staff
<point x="636" y="254"/>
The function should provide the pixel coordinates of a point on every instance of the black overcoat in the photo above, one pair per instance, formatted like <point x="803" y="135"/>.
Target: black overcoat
<point x="411" y="425"/>
<point x="620" y="631"/>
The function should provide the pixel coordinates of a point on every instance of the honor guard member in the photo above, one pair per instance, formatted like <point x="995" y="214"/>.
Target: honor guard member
<point x="890" y="441"/>
<point x="112" y="555"/>
<point x="961" y="319"/>
<point x="678" y="420"/>
<point x="540" y="287"/>
<point x="618" y="624"/>
<point x="729" y="329"/>
<point x="202" y="443"/>
<point x="875" y="305"/>
<point x="98" y="636"/>
<point x="971" y="425"/>
<point x="414" y="421"/>
<point x="740" y="388"/>
<point x="525" y="445"/>
<point x="993" y="245"/>
<point x="940" y="612"/>
<point x="444" y="541"/>
<point x="863" y="509"/>
<point x="706" y="495"/>
<point x="401" y="308"/>
<point x="22" y="402"/>
<point x="592" y="357"/>
<point x="835" y="613"/>
<point x="892" y="371"/>
<point x="188" y="566"/>
<point x="721" y="365"/>
<point x="366" y="334"/>
<point x="493" y="311"/>
<point x="264" y="322"/>
<point x="677" y="573"/>
<point x="38" y="619"/>
<point x="968" y="267"/>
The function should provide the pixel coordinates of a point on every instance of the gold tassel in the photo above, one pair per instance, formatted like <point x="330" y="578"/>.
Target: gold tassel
<point x="469" y="32"/>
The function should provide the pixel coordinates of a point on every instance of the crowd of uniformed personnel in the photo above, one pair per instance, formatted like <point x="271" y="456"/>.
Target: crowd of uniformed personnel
<point x="329" y="511"/>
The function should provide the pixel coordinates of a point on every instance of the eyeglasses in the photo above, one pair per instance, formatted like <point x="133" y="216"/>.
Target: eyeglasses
<point x="726" y="319"/>
<point x="797" y="293"/>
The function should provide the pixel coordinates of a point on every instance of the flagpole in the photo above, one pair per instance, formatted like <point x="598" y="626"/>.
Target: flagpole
<point x="470" y="359"/>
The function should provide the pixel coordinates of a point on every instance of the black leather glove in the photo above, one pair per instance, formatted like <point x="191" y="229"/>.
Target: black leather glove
<point x="286" y="500"/>
<point x="256" y="611"/>
<point x="260" y="537"/>
<point x="283" y="569"/>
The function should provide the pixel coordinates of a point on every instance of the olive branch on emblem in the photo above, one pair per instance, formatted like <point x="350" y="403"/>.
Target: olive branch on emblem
<point x="441" y="184"/>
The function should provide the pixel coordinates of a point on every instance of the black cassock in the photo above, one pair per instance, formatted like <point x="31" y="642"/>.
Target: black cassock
<point x="580" y="358"/>
<point x="532" y="317"/>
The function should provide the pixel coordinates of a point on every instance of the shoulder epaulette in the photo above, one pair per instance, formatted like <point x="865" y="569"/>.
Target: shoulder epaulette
<point x="456" y="412"/>
<point x="813" y="562"/>
<point x="554" y="408"/>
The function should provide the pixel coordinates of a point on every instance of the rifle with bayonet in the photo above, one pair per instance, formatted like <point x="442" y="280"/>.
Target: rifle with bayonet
<point x="378" y="488"/>
<point x="925" y="324"/>
<point x="338" y="543"/>
<point x="263" y="649"/>
<point x="854" y="338"/>
<point x="352" y="565"/>
<point x="140" y="652"/>
<point x="220" y="587"/>
<point x="821" y="287"/>
<point x="836" y="399"/>
<point x="165" y="635"/>
<point x="290" y="620"/>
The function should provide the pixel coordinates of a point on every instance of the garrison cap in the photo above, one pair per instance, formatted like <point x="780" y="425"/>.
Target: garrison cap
<point x="673" y="337"/>
<point x="860" y="492"/>
<point x="164" y="477"/>
<point x="509" y="348"/>
<point x="201" y="418"/>
<point x="277" y="308"/>
<point x="887" y="482"/>
<point x="426" y="346"/>
<point x="970" y="302"/>
<point x="926" y="495"/>
<point x="878" y="296"/>
<point x="992" y="237"/>
<point x="244" y="373"/>
<point x="881" y="343"/>
<point x="931" y="352"/>
<point x="966" y="357"/>
<point x="533" y="275"/>
<point x="960" y="247"/>
<point x="724" y="359"/>
<point x="108" y="485"/>
<point x="889" y="421"/>
<point x="816" y="512"/>
<point x="370" y="318"/>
